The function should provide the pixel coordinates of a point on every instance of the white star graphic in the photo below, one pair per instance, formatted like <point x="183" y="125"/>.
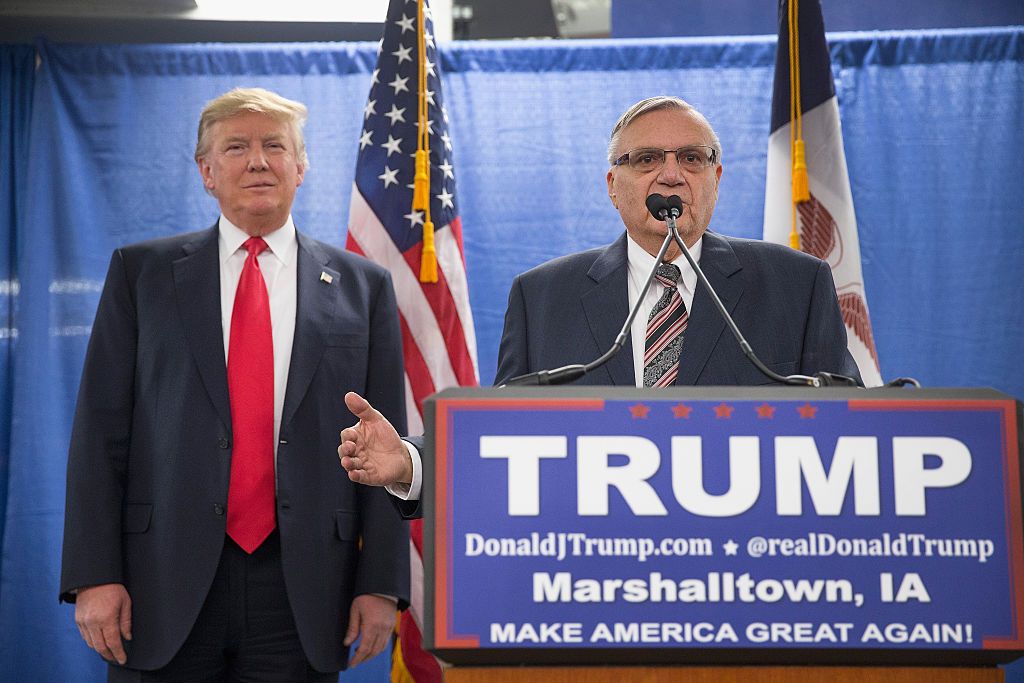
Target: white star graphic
<point x="428" y="37"/>
<point x="373" y="78"/>
<point x="444" y="113"/>
<point x="389" y="176"/>
<point x="446" y="198"/>
<point x="403" y="53"/>
<point x="364" y="140"/>
<point x="371" y="108"/>
<point x="447" y="168"/>
<point x="447" y="141"/>
<point x="396" y="114"/>
<point x="730" y="547"/>
<point x="406" y="23"/>
<point x="415" y="218"/>
<point x="399" y="84"/>
<point x="430" y="96"/>
<point x="430" y="68"/>
<point x="392" y="145"/>
<point x="430" y="127"/>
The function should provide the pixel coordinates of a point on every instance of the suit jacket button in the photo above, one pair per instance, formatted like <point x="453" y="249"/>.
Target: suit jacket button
<point x="218" y="509"/>
<point x="222" y="442"/>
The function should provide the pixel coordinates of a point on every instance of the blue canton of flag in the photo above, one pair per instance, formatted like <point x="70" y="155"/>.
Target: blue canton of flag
<point x="387" y="145"/>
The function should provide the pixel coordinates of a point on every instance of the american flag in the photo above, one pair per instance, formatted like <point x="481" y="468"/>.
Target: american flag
<point x="437" y="324"/>
<point x="825" y="219"/>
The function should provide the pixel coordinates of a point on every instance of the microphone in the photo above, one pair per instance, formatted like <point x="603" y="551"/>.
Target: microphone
<point x="668" y="209"/>
<point x="570" y="373"/>
<point x="662" y="207"/>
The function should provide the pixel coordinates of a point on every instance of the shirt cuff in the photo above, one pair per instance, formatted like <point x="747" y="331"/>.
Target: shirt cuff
<point x="410" y="491"/>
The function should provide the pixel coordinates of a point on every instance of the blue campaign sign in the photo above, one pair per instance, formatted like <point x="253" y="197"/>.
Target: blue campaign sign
<point x="749" y="520"/>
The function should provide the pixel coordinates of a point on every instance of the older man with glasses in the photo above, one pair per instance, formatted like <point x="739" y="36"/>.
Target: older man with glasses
<point x="570" y="310"/>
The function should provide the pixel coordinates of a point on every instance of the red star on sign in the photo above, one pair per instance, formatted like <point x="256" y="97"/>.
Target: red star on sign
<point x="639" y="411"/>
<point x="807" y="411"/>
<point x="765" y="412"/>
<point x="723" y="411"/>
<point x="681" y="410"/>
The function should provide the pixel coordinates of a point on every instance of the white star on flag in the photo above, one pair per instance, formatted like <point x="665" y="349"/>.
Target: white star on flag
<point x="447" y="168"/>
<point x="406" y="23"/>
<point x="364" y="140"/>
<point x="447" y="141"/>
<point x="399" y="84"/>
<point x="389" y="177"/>
<point x="370" y="109"/>
<point x="396" y="114"/>
<point x="403" y="54"/>
<point x="392" y="145"/>
<point x="415" y="218"/>
<point x="446" y="198"/>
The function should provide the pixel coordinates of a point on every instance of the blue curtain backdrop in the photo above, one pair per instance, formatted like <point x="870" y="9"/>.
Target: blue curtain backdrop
<point x="933" y="125"/>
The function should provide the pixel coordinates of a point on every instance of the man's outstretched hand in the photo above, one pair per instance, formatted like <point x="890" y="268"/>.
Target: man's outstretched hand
<point x="371" y="451"/>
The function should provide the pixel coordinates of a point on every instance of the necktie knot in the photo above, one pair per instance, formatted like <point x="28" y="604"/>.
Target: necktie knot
<point x="668" y="274"/>
<point x="256" y="246"/>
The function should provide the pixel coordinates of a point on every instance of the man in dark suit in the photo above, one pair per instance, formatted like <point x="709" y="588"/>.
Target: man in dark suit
<point x="570" y="310"/>
<point x="209" y="534"/>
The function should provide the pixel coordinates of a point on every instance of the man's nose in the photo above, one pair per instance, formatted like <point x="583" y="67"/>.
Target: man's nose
<point x="257" y="160"/>
<point x="671" y="173"/>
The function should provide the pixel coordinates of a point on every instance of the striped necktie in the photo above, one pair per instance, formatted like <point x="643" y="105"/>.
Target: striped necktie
<point x="665" y="328"/>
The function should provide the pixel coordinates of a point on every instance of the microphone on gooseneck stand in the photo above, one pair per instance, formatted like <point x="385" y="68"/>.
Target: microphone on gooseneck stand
<point x="668" y="209"/>
<point x="570" y="373"/>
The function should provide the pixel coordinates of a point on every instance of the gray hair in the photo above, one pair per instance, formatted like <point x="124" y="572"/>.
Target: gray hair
<point x="244" y="100"/>
<point x="656" y="104"/>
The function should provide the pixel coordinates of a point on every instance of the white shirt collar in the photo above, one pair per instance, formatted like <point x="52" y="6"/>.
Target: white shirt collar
<point x="640" y="263"/>
<point x="281" y="241"/>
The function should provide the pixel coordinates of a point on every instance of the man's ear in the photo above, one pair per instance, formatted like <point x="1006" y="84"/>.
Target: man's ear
<point x="204" y="172"/>
<point x="611" y="188"/>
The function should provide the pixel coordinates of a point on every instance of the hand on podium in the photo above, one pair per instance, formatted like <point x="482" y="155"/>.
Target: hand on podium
<point x="371" y="451"/>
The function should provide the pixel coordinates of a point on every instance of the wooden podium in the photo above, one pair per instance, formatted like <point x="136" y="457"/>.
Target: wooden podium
<point x="723" y="534"/>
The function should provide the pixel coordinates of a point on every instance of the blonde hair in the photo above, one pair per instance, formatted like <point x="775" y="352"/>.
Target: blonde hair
<point x="655" y="104"/>
<point x="244" y="100"/>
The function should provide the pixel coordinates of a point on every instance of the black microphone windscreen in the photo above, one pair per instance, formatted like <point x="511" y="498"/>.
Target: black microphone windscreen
<point x="675" y="204"/>
<point x="658" y="206"/>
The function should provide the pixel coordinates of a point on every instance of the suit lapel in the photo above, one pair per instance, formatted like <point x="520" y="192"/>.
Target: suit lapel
<point x="606" y="306"/>
<point x="706" y="325"/>
<point x="315" y="307"/>
<point x="197" y="288"/>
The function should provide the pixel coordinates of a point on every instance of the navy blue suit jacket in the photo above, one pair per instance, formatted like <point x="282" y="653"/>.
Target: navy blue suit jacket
<point x="150" y="454"/>
<point x="570" y="310"/>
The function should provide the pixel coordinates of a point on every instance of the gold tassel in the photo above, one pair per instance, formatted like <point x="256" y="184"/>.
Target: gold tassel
<point x="428" y="259"/>
<point x="800" y="191"/>
<point x="421" y="183"/>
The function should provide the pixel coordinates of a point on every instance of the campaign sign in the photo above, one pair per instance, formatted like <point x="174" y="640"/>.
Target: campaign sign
<point x="611" y="524"/>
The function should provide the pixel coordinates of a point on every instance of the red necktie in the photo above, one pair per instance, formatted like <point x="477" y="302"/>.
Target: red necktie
<point x="251" y="388"/>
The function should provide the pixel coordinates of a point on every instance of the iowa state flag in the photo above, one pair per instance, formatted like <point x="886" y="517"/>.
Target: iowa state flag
<point x="825" y="221"/>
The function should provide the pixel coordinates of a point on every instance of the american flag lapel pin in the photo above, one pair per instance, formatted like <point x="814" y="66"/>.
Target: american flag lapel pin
<point x="326" y="277"/>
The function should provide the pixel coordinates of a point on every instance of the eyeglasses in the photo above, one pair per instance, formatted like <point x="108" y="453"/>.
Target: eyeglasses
<point x="694" y="158"/>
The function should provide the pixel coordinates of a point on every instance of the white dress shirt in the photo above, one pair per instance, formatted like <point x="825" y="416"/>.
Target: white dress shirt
<point x="279" y="266"/>
<point x="639" y="264"/>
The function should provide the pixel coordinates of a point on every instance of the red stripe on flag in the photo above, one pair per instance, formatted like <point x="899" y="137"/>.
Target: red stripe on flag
<point x="415" y="366"/>
<point x="443" y="306"/>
